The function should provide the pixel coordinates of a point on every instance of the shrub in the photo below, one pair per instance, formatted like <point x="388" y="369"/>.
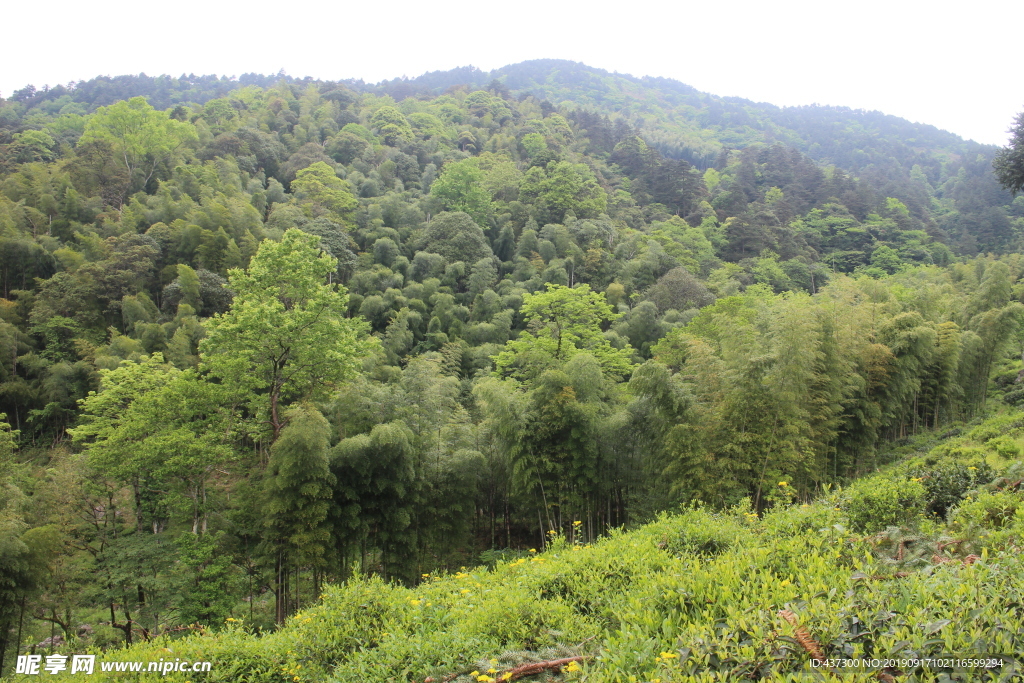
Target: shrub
<point x="948" y="481"/>
<point x="881" y="501"/>
<point x="990" y="520"/>
<point x="1005" y="446"/>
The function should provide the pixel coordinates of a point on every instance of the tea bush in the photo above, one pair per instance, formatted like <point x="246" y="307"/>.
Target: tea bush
<point x="878" y="502"/>
<point x="948" y="481"/>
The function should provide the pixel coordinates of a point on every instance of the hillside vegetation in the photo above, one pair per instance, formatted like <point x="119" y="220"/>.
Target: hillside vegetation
<point x="267" y="335"/>
<point x="871" y="572"/>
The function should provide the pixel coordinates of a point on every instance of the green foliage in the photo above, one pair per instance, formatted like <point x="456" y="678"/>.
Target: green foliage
<point x="947" y="482"/>
<point x="808" y="299"/>
<point x="1009" y="162"/>
<point x="324" y="193"/>
<point x="562" y="187"/>
<point x="392" y="126"/>
<point x="456" y="237"/>
<point x="989" y="519"/>
<point x="299" y="484"/>
<point x="695" y="596"/>
<point x="460" y="188"/>
<point x="286" y="336"/>
<point x="560" y="323"/>
<point x="205" y="591"/>
<point x="879" y="502"/>
<point x="141" y="136"/>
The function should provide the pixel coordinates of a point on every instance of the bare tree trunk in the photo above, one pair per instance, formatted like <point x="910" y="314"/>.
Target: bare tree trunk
<point x="278" y="591"/>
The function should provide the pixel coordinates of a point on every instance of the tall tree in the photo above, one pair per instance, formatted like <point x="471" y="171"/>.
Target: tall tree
<point x="141" y="136"/>
<point x="1009" y="161"/>
<point x="323" y="193"/>
<point x="560" y="323"/>
<point x="286" y="336"/>
<point x="297" y="493"/>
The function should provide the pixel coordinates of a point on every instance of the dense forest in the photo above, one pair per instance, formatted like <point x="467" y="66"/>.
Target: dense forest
<point x="260" y="335"/>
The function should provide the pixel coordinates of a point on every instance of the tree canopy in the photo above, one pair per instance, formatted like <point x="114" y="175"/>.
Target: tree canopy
<point x="286" y="335"/>
<point x="1009" y="162"/>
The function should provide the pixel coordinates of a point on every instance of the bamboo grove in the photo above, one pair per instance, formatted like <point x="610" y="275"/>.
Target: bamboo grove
<point x="268" y="333"/>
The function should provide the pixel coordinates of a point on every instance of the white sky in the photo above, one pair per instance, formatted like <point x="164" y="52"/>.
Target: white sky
<point x="953" y="66"/>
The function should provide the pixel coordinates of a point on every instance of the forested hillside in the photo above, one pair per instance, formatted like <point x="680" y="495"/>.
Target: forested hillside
<point x="258" y="334"/>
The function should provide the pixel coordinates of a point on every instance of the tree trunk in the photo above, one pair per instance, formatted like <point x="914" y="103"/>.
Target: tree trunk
<point x="279" y="590"/>
<point x="126" y="627"/>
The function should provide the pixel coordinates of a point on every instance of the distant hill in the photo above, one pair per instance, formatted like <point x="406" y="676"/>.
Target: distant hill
<point x="675" y="113"/>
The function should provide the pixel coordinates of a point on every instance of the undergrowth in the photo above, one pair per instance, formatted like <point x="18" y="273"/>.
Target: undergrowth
<point x="921" y="560"/>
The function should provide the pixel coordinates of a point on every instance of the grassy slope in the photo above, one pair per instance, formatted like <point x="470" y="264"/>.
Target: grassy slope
<point x="694" y="596"/>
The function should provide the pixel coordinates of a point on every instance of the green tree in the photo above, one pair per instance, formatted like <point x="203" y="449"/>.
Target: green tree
<point x="456" y="237"/>
<point x="287" y="335"/>
<point x="162" y="431"/>
<point x="392" y="126"/>
<point x="141" y="136"/>
<point x="1009" y="161"/>
<point x="460" y="188"/>
<point x="561" y="322"/>
<point x="297" y="492"/>
<point x="189" y="283"/>
<point x="375" y="497"/>
<point x="562" y="187"/>
<point x="324" y="194"/>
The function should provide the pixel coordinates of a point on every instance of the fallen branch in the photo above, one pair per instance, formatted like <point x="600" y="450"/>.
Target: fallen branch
<point x="446" y="679"/>
<point x="803" y="636"/>
<point x="970" y="559"/>
<point x="536" y="668"/>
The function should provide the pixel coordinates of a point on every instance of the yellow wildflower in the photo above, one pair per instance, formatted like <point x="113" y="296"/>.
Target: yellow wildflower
<point x="782" y="483"/>
<point x="573" y="666"/>
<point x="669" y="655"/>
<point x="785" y="583"/>
<point x="533" y="550"/>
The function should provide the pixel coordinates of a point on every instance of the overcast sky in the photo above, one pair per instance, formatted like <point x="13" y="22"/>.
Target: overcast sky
<point x="957" y="69"/>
